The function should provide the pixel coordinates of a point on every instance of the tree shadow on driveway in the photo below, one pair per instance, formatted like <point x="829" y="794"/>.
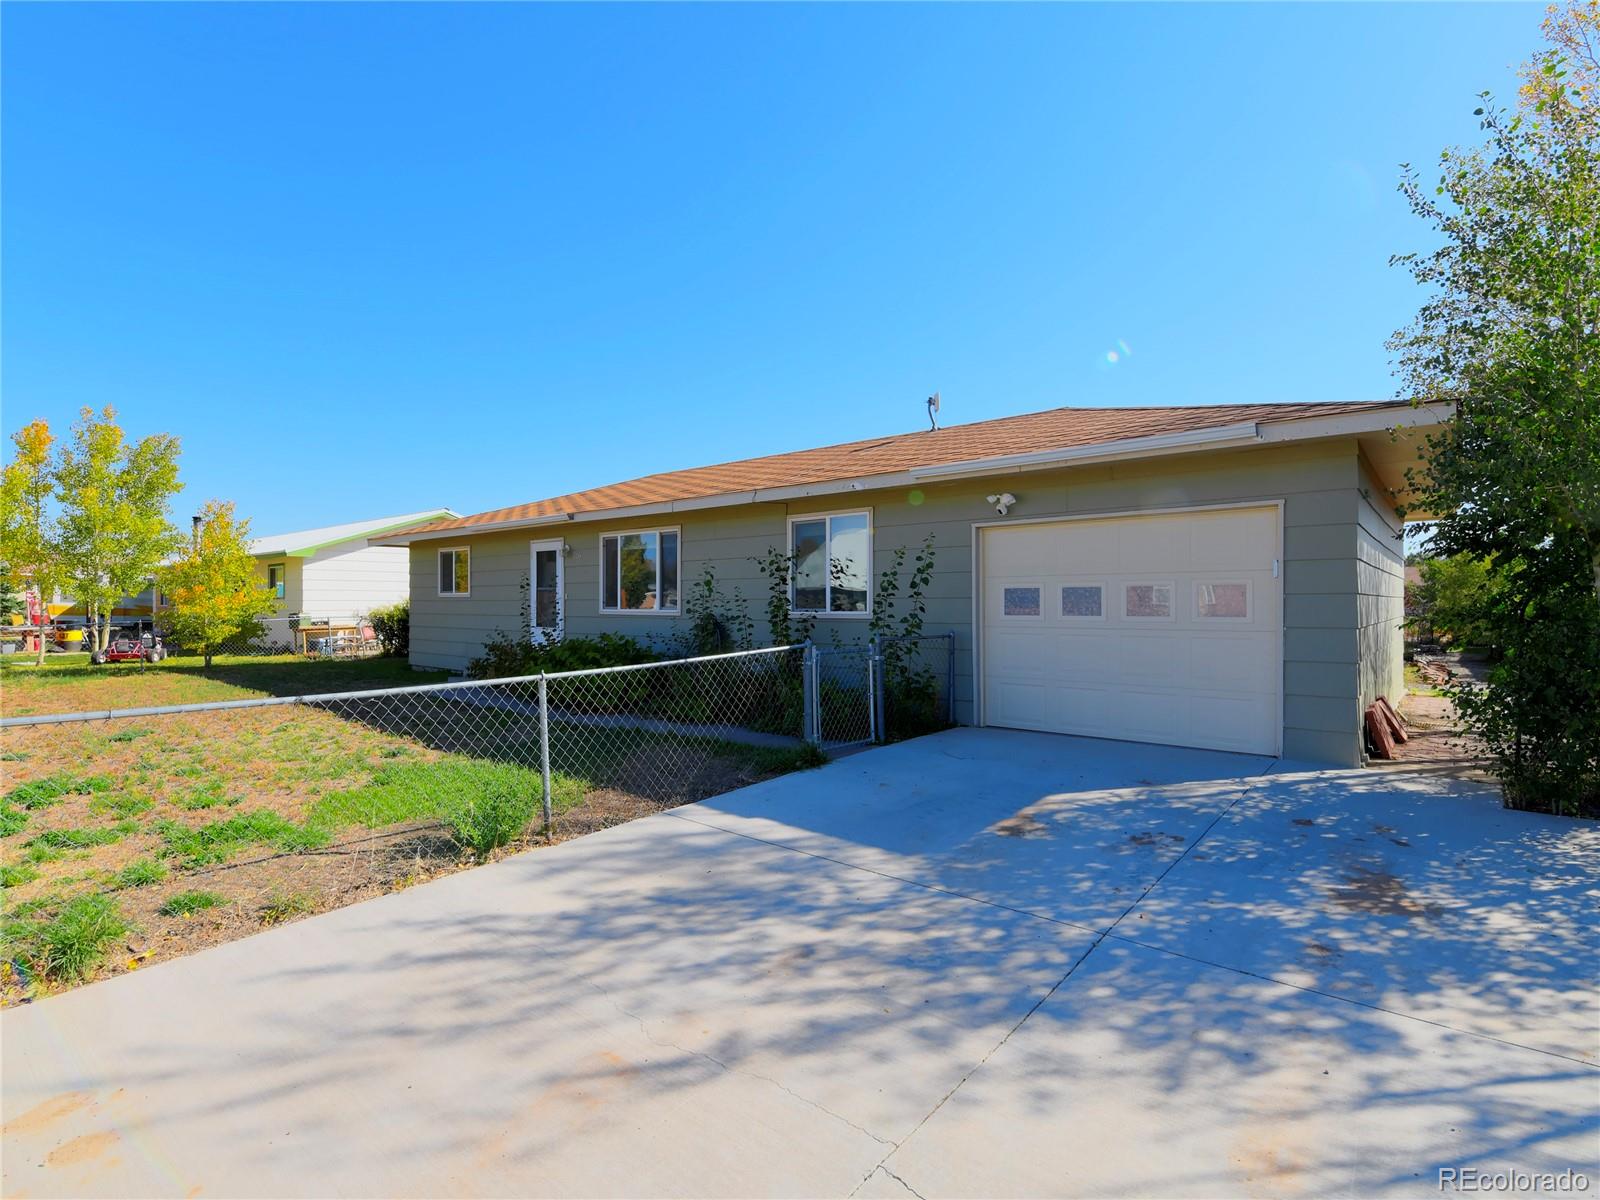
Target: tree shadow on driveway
<point x="668" y="1008"/>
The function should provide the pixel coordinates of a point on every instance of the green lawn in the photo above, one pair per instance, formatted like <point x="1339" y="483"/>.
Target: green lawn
<point x="68" y="683"/>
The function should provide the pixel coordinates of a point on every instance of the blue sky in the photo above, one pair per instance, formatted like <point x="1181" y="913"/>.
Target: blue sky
<point x="366" y="259"/>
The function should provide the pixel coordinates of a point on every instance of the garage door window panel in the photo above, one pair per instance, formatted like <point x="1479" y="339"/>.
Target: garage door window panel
<point x="1020" y="602"/>
<point x="1222" y="600"/>
<point x="1083" y="602"/>
<point x="1147" y="601"/>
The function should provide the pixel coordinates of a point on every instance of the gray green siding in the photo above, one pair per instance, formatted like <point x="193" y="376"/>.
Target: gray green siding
<point x="1328" y="660"/>
<point x="1380" y="597"/>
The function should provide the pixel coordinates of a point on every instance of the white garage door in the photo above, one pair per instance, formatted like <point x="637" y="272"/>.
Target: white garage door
<point x="1153" y="629"/>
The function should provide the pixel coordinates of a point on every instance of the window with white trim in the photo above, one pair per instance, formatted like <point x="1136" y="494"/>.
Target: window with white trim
<point x="275" y="583"/>
<point x="455" y="572"/>
<point x="639" y="571"/>
<point x="832" y="557"/>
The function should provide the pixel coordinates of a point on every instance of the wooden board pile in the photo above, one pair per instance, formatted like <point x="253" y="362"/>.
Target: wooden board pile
<point x="1433" y="671"/>
<point x="1385" y="729"/>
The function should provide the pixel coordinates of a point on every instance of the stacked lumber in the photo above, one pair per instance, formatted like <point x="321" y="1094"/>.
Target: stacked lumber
<point x="1385" y="729"/>
<point x="1434" y="671"/>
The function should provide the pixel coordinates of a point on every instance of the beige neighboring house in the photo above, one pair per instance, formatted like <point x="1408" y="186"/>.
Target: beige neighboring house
<point x="332" y="572"/>
<point x="1226" y="577"/>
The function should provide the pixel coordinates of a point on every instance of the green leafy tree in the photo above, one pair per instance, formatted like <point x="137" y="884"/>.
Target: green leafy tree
<point x="30" y="537"/>
<point x="213" y="587"/>
<point x="115" y="499"/>
<point x="1510" y="332"/>
<point x="1456" y="599"/>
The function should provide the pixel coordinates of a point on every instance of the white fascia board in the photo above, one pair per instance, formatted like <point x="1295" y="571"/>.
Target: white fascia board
<point x="1294" y="429"/>
<point x="693" y="504"/>
<point x="1244" y="433"/>
<point x="405" y="539"/>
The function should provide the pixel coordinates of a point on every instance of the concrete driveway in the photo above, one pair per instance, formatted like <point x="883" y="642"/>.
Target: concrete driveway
<point x="978" y="964"/>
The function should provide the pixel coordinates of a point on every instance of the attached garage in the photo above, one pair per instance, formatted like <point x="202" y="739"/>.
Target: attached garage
<point x="1166" y="627"/>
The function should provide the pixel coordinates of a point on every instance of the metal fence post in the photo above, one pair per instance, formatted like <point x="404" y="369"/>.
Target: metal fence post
<point x="544" y="754"/>
<point x="811" y="721"/>
<point x="950" y="679"/>
<point x="875" y="709"/>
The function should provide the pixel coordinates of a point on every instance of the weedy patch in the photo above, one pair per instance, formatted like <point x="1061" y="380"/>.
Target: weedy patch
<point x="129" y="735"/>
<point x="208" y="845"/>
<point x="52" y="789"/>
<point x="16" y="876"/>
<point x="186" y="904"/>
<point x="12" y="820"/>
<point x="121" y="804"/>
<point x="139" y="874"/>
<point x="82" y="839"/>
<point x="210" y="794"/>
<point x="62" y="940"/>
<point x="285" y="907"/>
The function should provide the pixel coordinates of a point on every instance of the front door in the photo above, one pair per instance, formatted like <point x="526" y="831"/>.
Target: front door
<point x="545" y="577"/>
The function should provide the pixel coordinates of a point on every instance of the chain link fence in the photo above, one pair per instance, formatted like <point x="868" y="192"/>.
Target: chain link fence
<point x="916" y="685"/>
<point x="169" y="828"/>
<point x="841" y="711"/>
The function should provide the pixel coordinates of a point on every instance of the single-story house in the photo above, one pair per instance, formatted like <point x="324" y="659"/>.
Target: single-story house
<point x="333" y="572"/>
<point x="1227" y="577"/>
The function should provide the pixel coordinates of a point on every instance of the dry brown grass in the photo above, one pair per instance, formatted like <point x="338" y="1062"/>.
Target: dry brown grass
<point x="154" y="775"/>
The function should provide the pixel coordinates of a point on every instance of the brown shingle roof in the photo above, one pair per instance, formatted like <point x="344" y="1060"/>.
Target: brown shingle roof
<point x="1054" y="429"/>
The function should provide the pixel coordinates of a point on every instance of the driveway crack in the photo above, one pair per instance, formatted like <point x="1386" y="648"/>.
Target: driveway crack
<point x="1055" y="987"/>
<point x="898" y="1179"/>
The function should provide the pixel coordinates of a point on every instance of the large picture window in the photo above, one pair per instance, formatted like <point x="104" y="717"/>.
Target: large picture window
<point x="639" y="571"/>
<point x="832" y="561"/>
<point x="455" y="572"/>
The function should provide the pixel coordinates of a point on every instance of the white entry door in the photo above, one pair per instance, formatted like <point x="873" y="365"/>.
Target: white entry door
<point x="546" y="593"/>
<point x="1163" y="628"/>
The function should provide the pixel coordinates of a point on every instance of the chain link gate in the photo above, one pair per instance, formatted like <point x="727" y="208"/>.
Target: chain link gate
<point x="886" y="690"/>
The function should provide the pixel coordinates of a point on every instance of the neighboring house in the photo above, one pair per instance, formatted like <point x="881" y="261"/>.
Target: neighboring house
<point x="332" y="572"/>
<point x="1226" y="577"/>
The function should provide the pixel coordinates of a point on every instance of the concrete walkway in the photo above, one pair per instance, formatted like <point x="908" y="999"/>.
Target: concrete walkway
<point x="978" y="964"/>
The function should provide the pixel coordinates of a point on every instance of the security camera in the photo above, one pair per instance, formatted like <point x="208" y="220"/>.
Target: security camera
<point x="1003" y="502"/>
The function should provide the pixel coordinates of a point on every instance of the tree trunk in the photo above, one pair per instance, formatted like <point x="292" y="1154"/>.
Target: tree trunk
<point x="39" y="638"/>
<point x="208" y="658"/>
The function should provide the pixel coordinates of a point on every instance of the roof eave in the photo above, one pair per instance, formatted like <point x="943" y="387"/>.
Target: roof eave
<point x="1221" y="437"/>
<point x="365" y="535"/>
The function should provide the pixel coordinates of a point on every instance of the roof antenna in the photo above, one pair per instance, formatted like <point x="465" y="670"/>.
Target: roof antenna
<point x="933" y="411"/>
